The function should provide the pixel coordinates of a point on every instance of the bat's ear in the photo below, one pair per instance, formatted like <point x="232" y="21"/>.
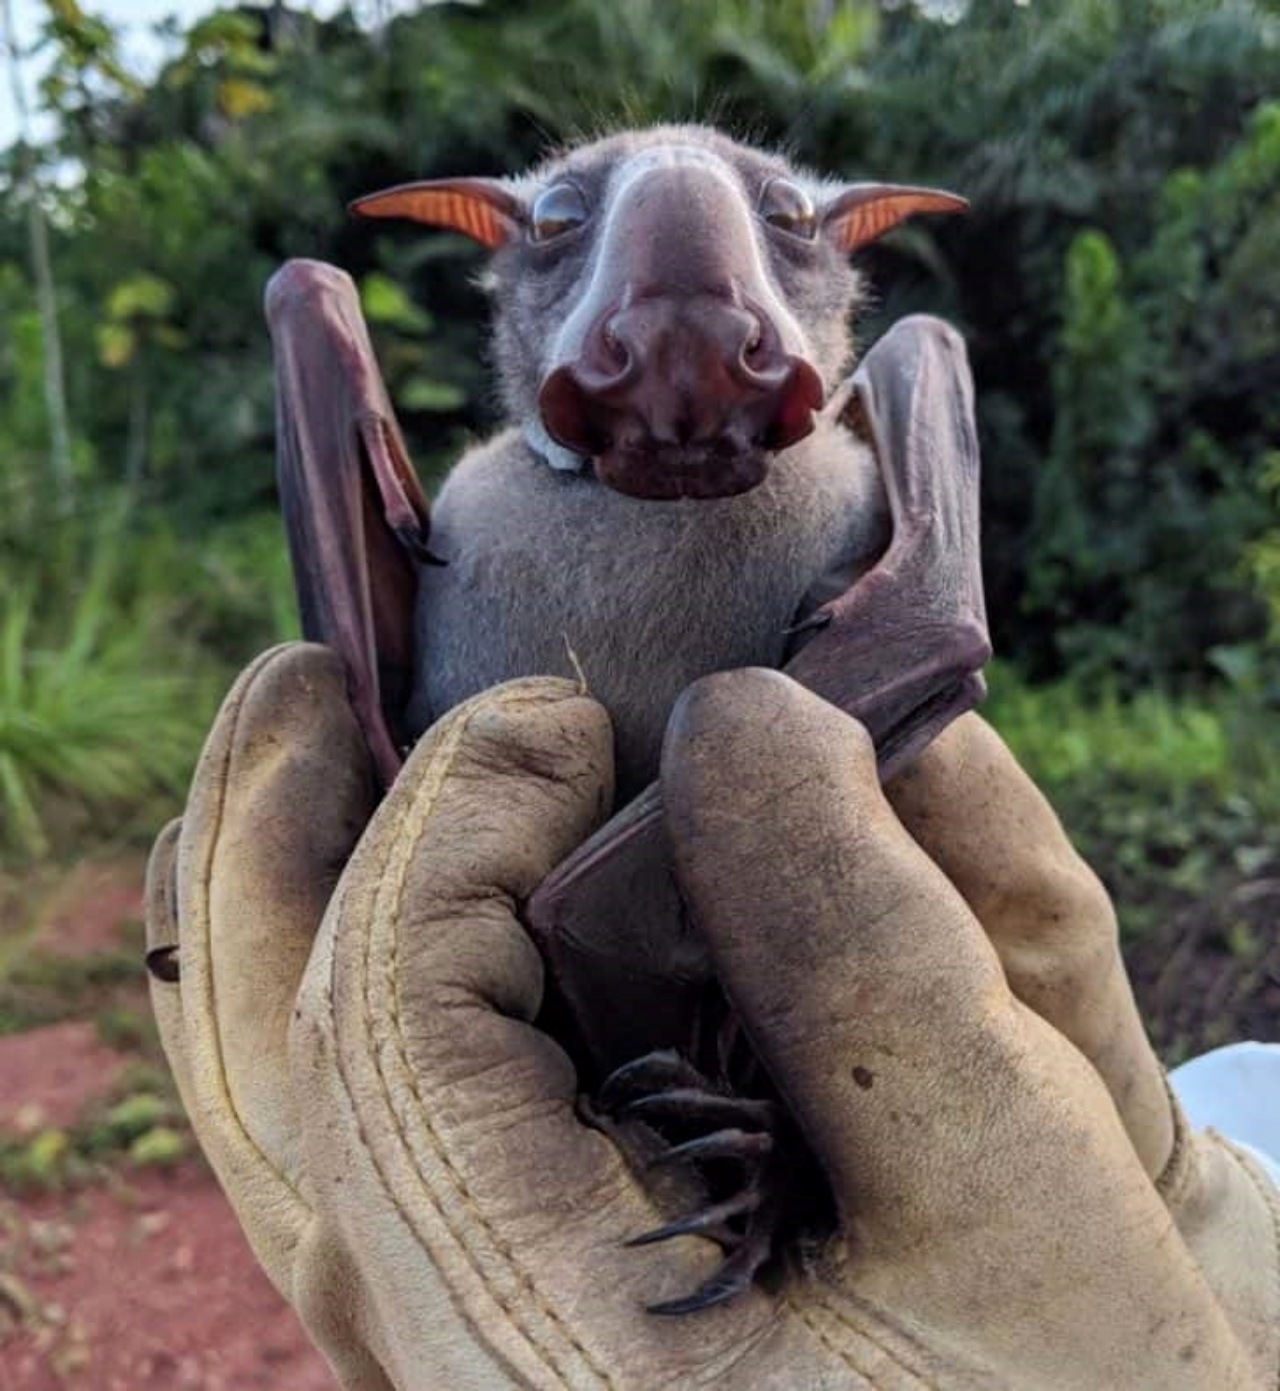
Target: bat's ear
<point x="481" y="209"/>
<point x="864" y="212"/>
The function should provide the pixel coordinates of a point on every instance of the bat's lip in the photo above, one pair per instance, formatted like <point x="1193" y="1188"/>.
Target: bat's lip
<point x="662" y="435"/>
<point x="669" y="474"/>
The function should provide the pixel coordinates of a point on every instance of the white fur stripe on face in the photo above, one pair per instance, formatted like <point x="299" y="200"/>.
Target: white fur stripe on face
<point x="561" y="459"/>
<point x="603" y="283"/>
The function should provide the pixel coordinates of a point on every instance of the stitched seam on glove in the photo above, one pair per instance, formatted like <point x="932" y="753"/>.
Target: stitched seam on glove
<point x="1271" y="1201"/>
<point x="235" y="707"/>
<point x="1178" y="1169"/>
<point x="409" y="834"/>
<point x="841" y="1316"/>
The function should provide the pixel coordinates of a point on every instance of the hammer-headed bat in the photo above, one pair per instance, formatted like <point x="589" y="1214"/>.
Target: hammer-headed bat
<point x="688" y="484"/>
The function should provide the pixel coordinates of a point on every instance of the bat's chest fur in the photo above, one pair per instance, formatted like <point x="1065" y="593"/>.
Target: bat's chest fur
<point x="648" y="595"/>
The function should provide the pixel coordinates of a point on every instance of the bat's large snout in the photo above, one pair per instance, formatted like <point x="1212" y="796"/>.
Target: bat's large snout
<point x="681" y="396"/>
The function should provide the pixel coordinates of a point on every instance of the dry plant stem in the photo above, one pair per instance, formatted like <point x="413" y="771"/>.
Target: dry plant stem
<point x="55" y="392"/>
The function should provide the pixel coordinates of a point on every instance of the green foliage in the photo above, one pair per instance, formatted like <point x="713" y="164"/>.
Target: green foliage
<point x="1166" y="797"/>
<point x="142" y="1127"/>
<point x="1063" y="734"/>
<point x="1116" y="281"/>
<point x="124" y="1028"/>
<point x="161" y="1147"/>
<point x="1149" y="493"/>
<point x="35" y="1164"/>
<point x="90" y="721"/>
<point x="38" y="989"/>
<point x="1262" y="558"/>
<point x="1116" y="277"/>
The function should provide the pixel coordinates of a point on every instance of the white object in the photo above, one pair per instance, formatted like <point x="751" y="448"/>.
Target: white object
<point x="1236" y="1090"/>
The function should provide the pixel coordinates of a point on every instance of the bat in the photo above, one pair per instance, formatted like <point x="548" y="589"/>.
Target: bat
<point x="689" y="481"/>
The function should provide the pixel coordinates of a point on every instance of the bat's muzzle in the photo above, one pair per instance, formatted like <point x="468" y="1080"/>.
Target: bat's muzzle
<point x="677" y="397"/>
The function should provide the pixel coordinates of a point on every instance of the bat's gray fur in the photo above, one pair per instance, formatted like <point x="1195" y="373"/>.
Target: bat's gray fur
<point x="649" y="595"/>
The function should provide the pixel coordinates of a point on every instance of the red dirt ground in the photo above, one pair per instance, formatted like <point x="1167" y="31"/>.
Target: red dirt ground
<point x="142" y="1285"/>
<point x="144" y="1281"/>
<point x="90" y="909"/>
<point x="49" y="1076"/>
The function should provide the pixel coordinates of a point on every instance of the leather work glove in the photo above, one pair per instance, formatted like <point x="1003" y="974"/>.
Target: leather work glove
<point x="351" y="1034"/>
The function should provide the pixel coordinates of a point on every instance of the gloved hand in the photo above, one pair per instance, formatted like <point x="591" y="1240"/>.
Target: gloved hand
<point x="351" y="1034"/>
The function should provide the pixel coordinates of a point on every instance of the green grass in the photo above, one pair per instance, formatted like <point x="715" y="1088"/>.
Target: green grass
<point x="90" y="716"/>
<point x="1169" y="798"/>
<point x="1062" y="734"/>
<point x="105" y="694"/>
<point x="141" y="1129"/>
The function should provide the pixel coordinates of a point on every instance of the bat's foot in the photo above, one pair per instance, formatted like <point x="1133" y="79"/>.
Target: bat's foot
<point x="745" y="1153"/>
<point x="732" y="1278"/>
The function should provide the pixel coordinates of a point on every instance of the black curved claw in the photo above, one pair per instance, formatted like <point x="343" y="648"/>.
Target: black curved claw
<point x="749" y="1146"/>
<point x="162" y="962"/>
<point x="698" y="1106"/>
<point x="733" y="1277"/>
<point x="414" y="540"/>
<point x="743" y="1142"/>
<point x="709" y="1220"/>
<point x="661" y="1070"/>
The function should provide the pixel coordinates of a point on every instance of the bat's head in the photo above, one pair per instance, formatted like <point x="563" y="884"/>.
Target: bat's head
<point x="671" y="306"/>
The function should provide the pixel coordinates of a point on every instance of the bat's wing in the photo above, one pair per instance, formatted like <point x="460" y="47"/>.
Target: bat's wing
<point x="902" y="649"/>
<point x="354" y="511"/>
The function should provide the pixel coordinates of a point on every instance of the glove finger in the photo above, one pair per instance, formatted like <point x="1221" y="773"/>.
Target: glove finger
<point x="981" y="819"/>
<point x="958" y="1130"/>
<point x="281" y="794"/>
<point x="448" y="1135"/>
<point x="161" y="916"/>
<point x="816" y="906"/>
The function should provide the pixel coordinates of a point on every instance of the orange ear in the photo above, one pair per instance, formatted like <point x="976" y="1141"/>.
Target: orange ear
<point x="480" y="208"/>
<point x="864" y="212"/>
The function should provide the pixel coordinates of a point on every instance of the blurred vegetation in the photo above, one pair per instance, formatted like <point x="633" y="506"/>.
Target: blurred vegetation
<point x="1171" y="798"/>
<point x="144" y="1129"/>
<point x="1116" y="280"/>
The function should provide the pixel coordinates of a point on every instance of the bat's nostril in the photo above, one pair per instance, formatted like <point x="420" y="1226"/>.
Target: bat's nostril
<point x="574" y="415"/>
<point x="616" y="349"/>
<point x="761" y="355"/>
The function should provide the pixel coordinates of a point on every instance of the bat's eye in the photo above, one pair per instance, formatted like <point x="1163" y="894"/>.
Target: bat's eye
<point x="557" y="210"/>
<point x="789" y="208"/>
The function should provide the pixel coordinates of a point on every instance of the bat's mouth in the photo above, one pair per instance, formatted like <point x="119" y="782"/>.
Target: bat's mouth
<point x="667" y="473"/>
<point x="662" y="438"/>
